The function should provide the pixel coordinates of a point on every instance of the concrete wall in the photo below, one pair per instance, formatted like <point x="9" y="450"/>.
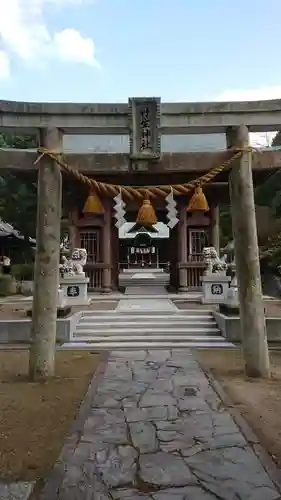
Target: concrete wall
<point x="18" y="331"/>
<point x="230" y="327"/>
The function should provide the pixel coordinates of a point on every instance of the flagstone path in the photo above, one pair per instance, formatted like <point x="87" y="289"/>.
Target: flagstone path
<point x="157" y="430"/>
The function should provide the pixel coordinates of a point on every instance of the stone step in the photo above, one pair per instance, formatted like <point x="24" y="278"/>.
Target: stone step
<point x="161" y="285"/>
<point x="159" y="277"/>
<point x="147" y="323"/>
<point x="191" y="297"/>
<point x="151" y="325"/>
<point x="112" y="345"/>
<point x="191" y="313"/>
<point x="108" y="322"/>
<point x="151" y="289"/>
<point x="152" y="338"/>
<point x="146" y="318"/>
<point x="144" y="281"/>
<point x="135" y="331"/>
<point x="147" y="281"/>
<point x="132" y="293"/>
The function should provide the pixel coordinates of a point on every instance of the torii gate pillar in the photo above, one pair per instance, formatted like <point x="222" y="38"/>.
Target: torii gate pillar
<point x="46" y="274"/>
<point x="252" y="317"/>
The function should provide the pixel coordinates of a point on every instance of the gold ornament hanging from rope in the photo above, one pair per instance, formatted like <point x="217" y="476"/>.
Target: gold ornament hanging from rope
<point x="93" y="205"/>
<point x="198" y="201"/>
<point x="146" y="215"/>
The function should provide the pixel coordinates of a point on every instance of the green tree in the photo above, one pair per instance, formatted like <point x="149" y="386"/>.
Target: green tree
<point x="269" y="193"/>
<point x="225" y="225"/>
<point x="18" y="193"/>
<point x="18" y="142"/>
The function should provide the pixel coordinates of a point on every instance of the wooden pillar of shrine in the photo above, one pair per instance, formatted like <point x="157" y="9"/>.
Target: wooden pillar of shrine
<point x="215" y="227"/>
<point x="252" y="317"/>
<point x="46" y="273"/>
<point x="182" y="249"/>
<point x="115" y="250"/>
<point x="106" y="246"/>
<point x="74" y="237"/>
<point x="173" y="258"/>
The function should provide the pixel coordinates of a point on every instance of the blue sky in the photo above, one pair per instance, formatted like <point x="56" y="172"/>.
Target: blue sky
<point x="108" y="50"/>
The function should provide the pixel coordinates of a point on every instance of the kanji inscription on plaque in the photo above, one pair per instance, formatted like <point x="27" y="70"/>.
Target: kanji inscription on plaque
<point x="144" y="127"/>
<point x="145" y="130"/>
<point x="73" y="291"/>
<point x="217" y="289"/>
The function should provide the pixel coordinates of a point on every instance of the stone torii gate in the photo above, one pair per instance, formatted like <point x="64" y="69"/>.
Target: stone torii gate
<point x="52" y="121"/>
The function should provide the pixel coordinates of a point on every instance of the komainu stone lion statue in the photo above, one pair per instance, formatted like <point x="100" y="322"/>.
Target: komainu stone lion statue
<point x="213" y="262"/>
<point x="74" y="265"/>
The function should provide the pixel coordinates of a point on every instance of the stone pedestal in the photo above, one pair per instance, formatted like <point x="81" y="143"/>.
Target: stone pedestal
<point x="232" y="298"/>
<point x="75" y="290"/>
<point x="61" y="300"/>
<point x="231" y="305"/>
<point x="215" y="288"/>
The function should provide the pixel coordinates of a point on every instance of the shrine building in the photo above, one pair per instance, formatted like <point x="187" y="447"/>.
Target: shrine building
<point x="145" y="145"/>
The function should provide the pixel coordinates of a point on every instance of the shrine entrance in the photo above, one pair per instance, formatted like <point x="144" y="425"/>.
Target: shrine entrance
<point x="177" y="251"/>
<point x="198" y="234"/>
<point x="90" y="239"/>
<point x="142" y="252"/>
<point x="142" y="248"/>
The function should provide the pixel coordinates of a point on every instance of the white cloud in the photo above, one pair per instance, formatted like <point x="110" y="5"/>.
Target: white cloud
<point x="4" y="65"/>
<point x="251" y="94"/>
<point x="24" y="32"/>
<point x="69" y="45"/>
<point x="258" y="94"/>
<point x="62" y="3"/>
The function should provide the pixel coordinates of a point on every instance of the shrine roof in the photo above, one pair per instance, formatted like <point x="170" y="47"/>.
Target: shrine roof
<point x="162" y="231"/>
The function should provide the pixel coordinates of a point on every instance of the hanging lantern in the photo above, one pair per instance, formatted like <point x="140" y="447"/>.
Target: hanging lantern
<point x="146" y="216"/>
<point x="198" y="201"/>
<point x="93" y="205"/>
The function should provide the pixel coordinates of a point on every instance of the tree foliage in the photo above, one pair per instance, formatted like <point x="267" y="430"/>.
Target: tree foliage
<point x="270" y="254"/>
<point x="269" y="193"/>
<point x="18" y="142"/>
<point x="18" y="193"/>
<point x="225" y="225"/>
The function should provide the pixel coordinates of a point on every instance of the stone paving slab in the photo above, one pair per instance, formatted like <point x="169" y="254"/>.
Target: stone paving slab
<point x="157" y="430"/>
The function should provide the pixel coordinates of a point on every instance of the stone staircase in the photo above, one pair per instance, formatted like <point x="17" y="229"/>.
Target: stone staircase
<point x="107" y="330"/>
<point x="150" y="282"/>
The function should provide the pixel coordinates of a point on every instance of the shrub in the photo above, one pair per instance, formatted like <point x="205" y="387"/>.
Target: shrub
<point x="23" y="272"/>
<point x="8" y="285"/>
<point x="270" y="254"/>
